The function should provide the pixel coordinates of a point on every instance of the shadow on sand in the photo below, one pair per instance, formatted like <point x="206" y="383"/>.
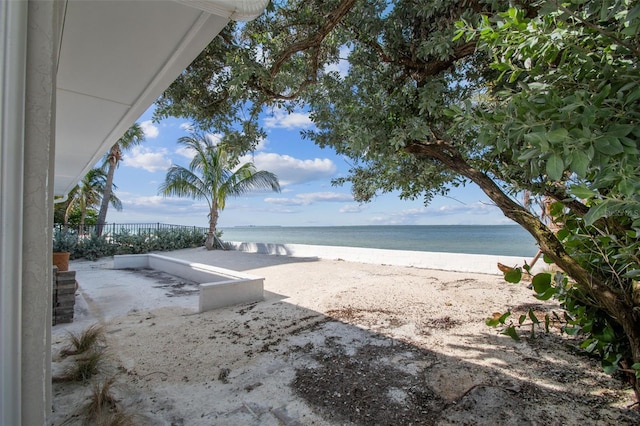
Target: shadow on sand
<point x="275" y="362"/>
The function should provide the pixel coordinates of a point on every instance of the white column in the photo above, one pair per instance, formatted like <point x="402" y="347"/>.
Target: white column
<point x="42" y="55"/>
<point x="13" y="49"/>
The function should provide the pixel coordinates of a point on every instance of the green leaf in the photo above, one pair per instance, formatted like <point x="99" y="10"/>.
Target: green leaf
<point x="513" y="276"/>
<point x="535" y="138"/>
<point x="571" y="331"/>
<point x="491" y="322"/>
<point x="533" y="317"/>
<point x="610" y="363"/>
<point x="504" y="317"/>
<point x="620" y="130"/>
<point x="636" y="367"/>
<point x="497" y="318"/>
<point x="557" y="136"/>
<point x="581" y="191"/>
<point x="522" y="319"/>
<point x="589" y="345"/>
<point x="529" y="154"/>
<point x="580" y="163"/>
<point x="608" y="335"/>
<point x="546" y="295"/>
<point x="634" y="273"/>
<point x="608" y="145"/>
<point x="555" y="167"/>
<point x="595" y="213"/>
<point x="541" y="282"/>
<point x="511" y="332"/>
<point x="556" y="209"/>
<point x="547" y="259"/>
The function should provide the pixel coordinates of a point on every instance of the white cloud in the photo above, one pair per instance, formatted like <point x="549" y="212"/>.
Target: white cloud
<point x="341" y="67"/>
<point x="469" y="209"/>
<point x="149" y="129"/>
<point x="417" y="216"/>
<point x="166" y="205"/>
<point x="402" y="217"/>
<point x="306" y="199"/>
<point x="352" y="208"/>
<point x="282" y="119"/>
<point x="185" y="152"/>
<point x="262" y="145"/>
<point x="189" y="127"/>
<point x="214" y="138"/>
<point x="143" y="158"/>
<point x="291" y="171"/>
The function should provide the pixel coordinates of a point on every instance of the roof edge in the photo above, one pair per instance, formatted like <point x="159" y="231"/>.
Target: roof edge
<point x="237" y="10"/>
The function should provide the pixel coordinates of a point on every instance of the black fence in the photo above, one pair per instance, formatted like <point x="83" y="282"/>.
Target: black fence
<point x="125" y="238"/>
<point x="131" y="228"/>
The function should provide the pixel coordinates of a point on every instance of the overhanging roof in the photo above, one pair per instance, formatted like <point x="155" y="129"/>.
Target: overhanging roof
<point x="116" y="57"/>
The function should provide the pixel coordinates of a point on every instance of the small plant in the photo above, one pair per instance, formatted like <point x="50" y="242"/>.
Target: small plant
<point x="87" y="367"/>
<point x="82" y="369"/>
<point x="95" y="247"/>
<point x="89" y="339"/>
<point x="87" y="346"/>
<point x="102" y="407"/>
<point x="101" y="400"/>
<point x="64" y="241"/>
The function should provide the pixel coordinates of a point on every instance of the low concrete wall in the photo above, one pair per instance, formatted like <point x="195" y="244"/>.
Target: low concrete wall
<point x="478" y="263"/>
<point x="219" y="287"/>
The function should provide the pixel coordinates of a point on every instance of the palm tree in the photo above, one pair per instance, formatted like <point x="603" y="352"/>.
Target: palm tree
<point x="133" y="136"/>
<point x="214" y="174"/>
<point x="89" y="193"/>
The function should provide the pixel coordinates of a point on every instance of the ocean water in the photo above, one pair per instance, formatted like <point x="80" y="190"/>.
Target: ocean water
<point x="510" y="240"/>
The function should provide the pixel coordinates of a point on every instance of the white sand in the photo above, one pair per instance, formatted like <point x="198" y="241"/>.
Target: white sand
<point x="238" y="365"/>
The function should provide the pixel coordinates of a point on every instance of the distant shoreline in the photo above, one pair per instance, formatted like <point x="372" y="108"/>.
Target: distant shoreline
<point x="466" y="239"/>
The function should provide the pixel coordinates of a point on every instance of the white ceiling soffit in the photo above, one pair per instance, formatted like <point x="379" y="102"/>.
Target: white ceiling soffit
<point x="116" y="58"/>
<point x="237" y="10"/>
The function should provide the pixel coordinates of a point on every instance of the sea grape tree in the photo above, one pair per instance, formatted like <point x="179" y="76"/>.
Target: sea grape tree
<point x="564" y="111"/>
<point x="542" y="98"/>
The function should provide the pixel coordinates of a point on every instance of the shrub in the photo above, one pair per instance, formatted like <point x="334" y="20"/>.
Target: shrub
<point x="93" y="247"/>
<point x="64" y="241"/>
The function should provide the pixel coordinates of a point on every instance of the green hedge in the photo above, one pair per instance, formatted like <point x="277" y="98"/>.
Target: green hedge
<point x="93" y="247"/>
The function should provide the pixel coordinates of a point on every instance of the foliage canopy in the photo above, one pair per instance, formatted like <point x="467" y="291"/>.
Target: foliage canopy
<point x="541" y="98"/>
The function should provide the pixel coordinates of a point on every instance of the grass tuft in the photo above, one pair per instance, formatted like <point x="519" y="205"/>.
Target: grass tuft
<point x="88" y="339"/>
<point x="102" y="408"/>
<point x="83" y="369"/>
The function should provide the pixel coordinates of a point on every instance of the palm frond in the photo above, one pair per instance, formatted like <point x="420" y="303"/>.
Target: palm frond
<point x="181" y="182"/>
<point x="247" y="179"/>
<point x="211" y="174"/>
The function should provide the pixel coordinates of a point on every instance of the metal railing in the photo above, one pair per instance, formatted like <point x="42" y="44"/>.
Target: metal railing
<point x="131" y="228"/>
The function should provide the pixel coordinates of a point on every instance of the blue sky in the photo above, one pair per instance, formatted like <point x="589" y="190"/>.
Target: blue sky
<point x="305" y="172"/>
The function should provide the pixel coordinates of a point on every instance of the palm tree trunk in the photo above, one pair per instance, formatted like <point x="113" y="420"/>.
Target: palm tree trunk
<point x="83" y="215"/>
<point x="211" y="243"/>
<point x="67" y="213"/>
<point x="106" y="197"/>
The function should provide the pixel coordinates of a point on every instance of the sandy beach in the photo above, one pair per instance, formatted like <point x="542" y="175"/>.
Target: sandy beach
<point x="333" y="342"/>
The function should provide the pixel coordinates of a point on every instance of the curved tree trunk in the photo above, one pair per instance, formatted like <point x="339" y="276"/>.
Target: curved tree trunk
<point x="83" y="216"/>
<point x="106" y="196"/>
<point x="617" y="304"/>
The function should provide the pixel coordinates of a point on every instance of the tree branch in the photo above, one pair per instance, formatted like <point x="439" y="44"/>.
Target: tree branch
<point x="316" y="39"/>
<point x="596" y="286"/>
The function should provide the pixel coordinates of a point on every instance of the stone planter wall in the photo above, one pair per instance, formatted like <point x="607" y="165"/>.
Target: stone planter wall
<point x="64" y="295"/>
